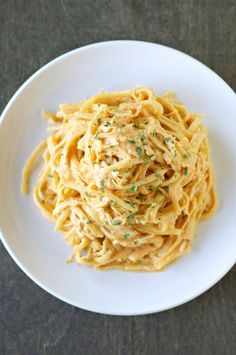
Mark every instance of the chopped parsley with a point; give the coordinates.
(133, 188)
(102, 189)
(185, 171)
(114, 203)
(106, 156)
(158, 176)
(100, 120)
(126, 235)
(89, 222)
(50, 175)
(167, 139)
(96, 135)
(150, 187)
(186, 155)
(130, 218)
(102, 182)
(89, 146)
(107, 124)
(132, 141)
(147, 158)
(86, 193)
(131, 203)
(136, 126)
(143, 139)
(154, 134)
(116, 222)
(138, 150)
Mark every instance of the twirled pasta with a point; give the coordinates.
(126, 177)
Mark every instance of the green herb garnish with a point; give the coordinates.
(186, 156)
(107, 124)
(133, 188)
(126, 235)
(106, 156)
(131, 217)
(102, 182)
(100, 120)
(50, 175)
(143, 139)
(167, 139)
(96, 135)
(132, 141)
(131, 203)
(138, 150)
(102, 189)
(116, 222)
(154, 134)
(150, 187)
(185, 171)
(114, 203)
(158, 176)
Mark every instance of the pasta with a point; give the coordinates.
(126, 178)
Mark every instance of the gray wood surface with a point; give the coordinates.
(31, 34)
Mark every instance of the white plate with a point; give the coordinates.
(29, 238)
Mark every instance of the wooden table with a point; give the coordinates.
(31, 34)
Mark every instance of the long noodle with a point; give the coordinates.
(126, 177)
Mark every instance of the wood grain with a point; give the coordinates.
(31, 34)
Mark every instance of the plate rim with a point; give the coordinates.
(4, 116)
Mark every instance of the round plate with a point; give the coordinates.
(30, 239)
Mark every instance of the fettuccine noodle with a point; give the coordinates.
(126, 177)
